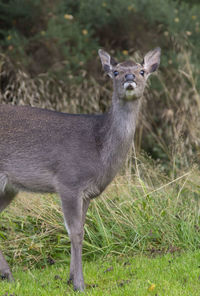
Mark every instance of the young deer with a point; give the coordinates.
(75, 155)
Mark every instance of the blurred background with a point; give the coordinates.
(49, 59)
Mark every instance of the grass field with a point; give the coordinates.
(168, 275)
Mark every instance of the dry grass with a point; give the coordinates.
(171, 115)
(17, 87)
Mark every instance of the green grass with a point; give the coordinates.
(171, 274)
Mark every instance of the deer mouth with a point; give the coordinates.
(130, 85)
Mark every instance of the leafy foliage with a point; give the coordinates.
(73, 30)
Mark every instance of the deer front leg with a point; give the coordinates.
(4, 269)
(6, 196)
(72, 210)
(85, 205)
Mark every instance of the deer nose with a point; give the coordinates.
(129, 77)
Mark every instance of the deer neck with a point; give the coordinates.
(117, 134)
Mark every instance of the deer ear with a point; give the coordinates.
(152, 60)
(107, 62)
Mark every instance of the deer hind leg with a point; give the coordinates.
(73, 210)
(5, 269)
(6, 196)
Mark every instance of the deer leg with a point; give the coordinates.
(5, 269)
(6, 197)
(72, 206)
(85, 205)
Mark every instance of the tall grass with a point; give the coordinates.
(170, 129)
(143, 212)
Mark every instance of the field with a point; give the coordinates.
(170, 275)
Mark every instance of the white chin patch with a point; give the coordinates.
(130, 90)
(129, 84)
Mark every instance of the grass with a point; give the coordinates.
(166, 275)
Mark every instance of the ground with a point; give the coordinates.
(167, 275)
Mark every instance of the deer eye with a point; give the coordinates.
(142, 72)
(115, 73)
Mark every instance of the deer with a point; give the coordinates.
(73, 155)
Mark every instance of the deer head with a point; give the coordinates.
(130, 78)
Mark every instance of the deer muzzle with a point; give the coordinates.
(130, 85)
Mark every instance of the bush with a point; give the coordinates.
(73, 31)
